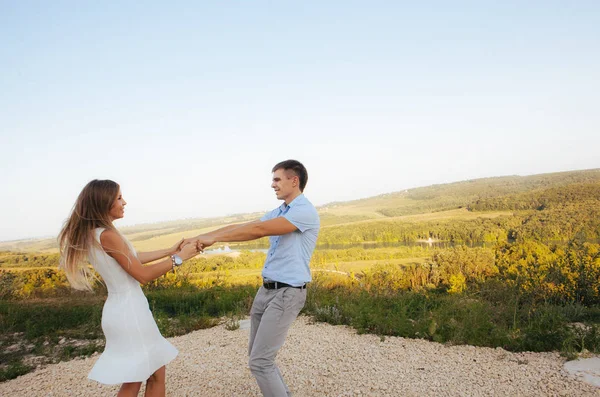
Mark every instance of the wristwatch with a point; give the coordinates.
(176, 260)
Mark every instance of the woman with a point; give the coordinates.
(135, 350)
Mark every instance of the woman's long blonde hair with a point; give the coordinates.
(76, 239)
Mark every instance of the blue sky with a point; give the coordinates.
(188, 105)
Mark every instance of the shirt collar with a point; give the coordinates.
(283, 206)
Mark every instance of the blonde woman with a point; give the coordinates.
(135, 350)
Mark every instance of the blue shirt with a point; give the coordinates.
(289, 254)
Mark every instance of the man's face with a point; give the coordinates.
(284, 183)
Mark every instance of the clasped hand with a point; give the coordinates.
(191, 247)
(187, 248)
(202, 241)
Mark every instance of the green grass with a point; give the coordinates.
(212, 302)
(14, 369)
(52, 317)
(227, 278)
(490, 316)
(456, 319)
(45, 327)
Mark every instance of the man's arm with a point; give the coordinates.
(228, 228)
(248, 231)
(218, 231)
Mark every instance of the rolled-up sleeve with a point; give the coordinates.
(304, 217)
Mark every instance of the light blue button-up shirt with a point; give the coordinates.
(289, 254)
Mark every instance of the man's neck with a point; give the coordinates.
(292, 197)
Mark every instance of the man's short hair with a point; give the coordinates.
(297, 168)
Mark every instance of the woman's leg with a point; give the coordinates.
(156, 384)
(129, 389)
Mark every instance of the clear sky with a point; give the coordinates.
(188, 105)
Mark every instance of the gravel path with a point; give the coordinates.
(324, 360)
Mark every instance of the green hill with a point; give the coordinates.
(457, 195)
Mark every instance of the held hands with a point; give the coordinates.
(188, 251)
(204, 241)
(177, 247)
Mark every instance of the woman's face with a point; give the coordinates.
(117, 210)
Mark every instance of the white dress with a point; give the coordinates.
(135, 349)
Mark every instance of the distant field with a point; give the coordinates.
(141, 240)
(459, 213)
(42, 246)
(167, 239)
(156, 239)
(358, 266)
(370, 210)
(462, 213)
(430, 203)
(149, 234)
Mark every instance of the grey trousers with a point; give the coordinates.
(272, 314)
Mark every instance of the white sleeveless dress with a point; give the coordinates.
(135, 349)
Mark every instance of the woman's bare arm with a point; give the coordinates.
(151, 256)
(114, 245)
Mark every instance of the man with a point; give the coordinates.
(293, 228)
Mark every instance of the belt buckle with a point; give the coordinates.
(270, 284)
